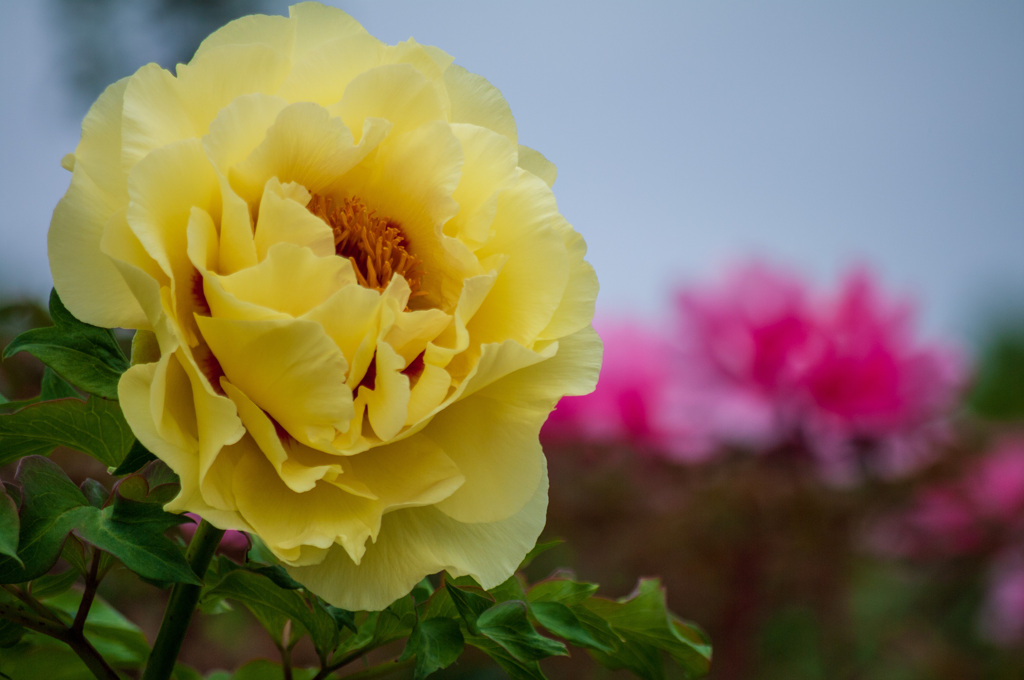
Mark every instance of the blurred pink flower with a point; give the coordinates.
(1002, 614)
(630, 404)
(982, 509)
(872, 388)
(755, 361)
(744, 345)
(997, 485)
(941, 523)
(844, 374)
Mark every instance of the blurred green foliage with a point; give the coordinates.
(998, 392)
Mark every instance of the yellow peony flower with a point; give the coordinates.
(355, 297)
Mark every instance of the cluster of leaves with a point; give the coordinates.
(437, 623)
(59, 539)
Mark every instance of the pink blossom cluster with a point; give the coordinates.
(981, 513)
(758, 362)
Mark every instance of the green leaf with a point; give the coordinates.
(55, 387)
(258, 593)
(133, 532)
(646, 629)
(441, 605)
(117, 640)
(278, 575)
(516, 669)
(590, 631)
(510, 589)
(73, 553)
(137, 456)
(95, 492)
(566, 591)
(115, 637)
(96, 427)
(183, 672)
(470, 602)
(507, 624)
(10, 633)
(52, 506)
(9, 525)
(86, 356)
(53, 584)
(537, 550)
(436, 644)
(129, 530)
(422, 591)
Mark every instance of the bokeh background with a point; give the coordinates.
(691, 136)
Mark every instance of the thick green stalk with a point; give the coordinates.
(181, 605)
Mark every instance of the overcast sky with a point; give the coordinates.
(687, 135)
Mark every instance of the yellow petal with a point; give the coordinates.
(304, 145)
(286, 520)
(316, 24)
(289, 368)
(159, 403)
(240, 127)
(219, 75)
(291, 279)
(321, 74)
(476, 101)
(496, 446)
(406, 473)
(99, 152)
(411, 182)
(87, 280)
(576, 309)
(397, 93)
(351, 318)
(535, 162)
(285, 219)
(236, 249)
(153, 115)
(257, 29)
(388, 401)
(266, 437)
(427, 394)
(490, 161)
(572, 370)
(164, 188)
(533, 278)
(420, 541)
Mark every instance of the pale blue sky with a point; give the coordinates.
(688, 135)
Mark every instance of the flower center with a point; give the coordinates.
(376, 246)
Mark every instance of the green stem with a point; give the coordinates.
(181, 605)
(92, 581)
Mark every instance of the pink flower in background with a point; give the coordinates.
(997, 485)
(871, 386)
(1002, 614)
(751, 330)
(982, 508)
(981, 513)
(743, 346)
(757, 361)
(844, 373)
(941, 523)
(631, 402)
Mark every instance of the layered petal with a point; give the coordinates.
(356, 299)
